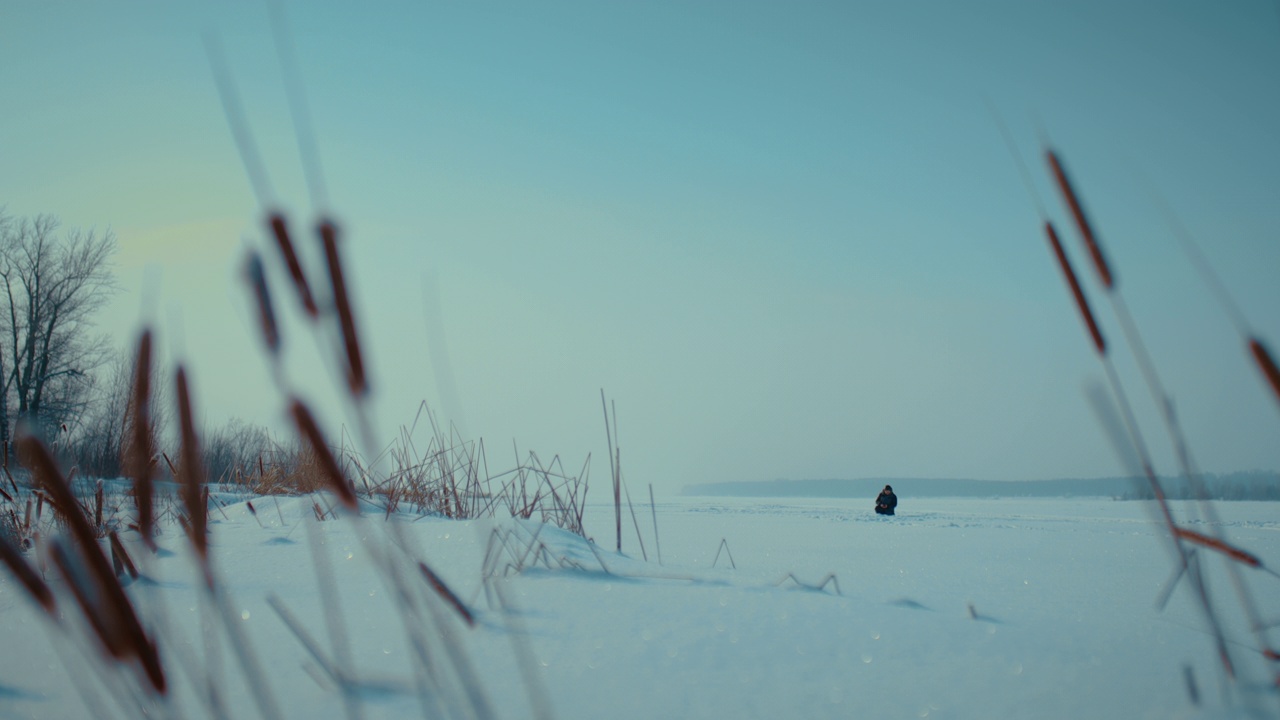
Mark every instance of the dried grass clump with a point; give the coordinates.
(284, 470)
(450, 477)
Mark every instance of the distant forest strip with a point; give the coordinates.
(1246, 485)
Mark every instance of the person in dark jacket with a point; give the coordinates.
(886, 501)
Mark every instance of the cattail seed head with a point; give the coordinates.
(280, 231)
(256, 276)
(1225, 548)
(140, 449)
(1082, 303)
(356, 379)
(310, 432)
(1082, 221)
(1266, 364)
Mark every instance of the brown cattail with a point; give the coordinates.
(444, 592)
(88, 598)
(110, 614)
(1082, 221)
(355, 364)
(44, 471)
(140, 449)
(191, 470)
(1082, 303)
(1229, 550)
(1266, 364)
(328, 465)
(121, 556)
(98, 502)
(281, 233)
(90, 576)
(28, 577)
(257, 278)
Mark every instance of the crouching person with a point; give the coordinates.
(886, 501)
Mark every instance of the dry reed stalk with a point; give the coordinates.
(1220, 546)
(192, 475)
(98, 502)
(1195, 577)
(329, 602)
(1189, 678)
(724, 545)
(1082, 302)
(256, 276)
(26, 576)
(256, 172)
(51, 484)
(250, 669)
(121, 556)
(280, 231)
(356, 379)
(106, 604)
(653, 511)
(308, 643)
(12, 483)
(329, 469)
(1181, 449)
(635, 521)
(1261, 356)
(613, 472)
(1108, 281)
(830, 579)
(448, 595)
(88, 598)
(1131, 334)
(1163, 401)
(1266, 364)
(299, 109)
(172, 470)
(140, 449)
(539, 702)
(1082, 220)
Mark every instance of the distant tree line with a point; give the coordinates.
(1244, 485)
(62, 380)
(1248, 485)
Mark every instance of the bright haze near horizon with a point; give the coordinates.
(787, 239)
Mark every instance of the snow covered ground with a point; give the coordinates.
(1005, 608)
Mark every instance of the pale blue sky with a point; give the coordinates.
(786, 237)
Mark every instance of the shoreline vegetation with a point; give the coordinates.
(1243, 485)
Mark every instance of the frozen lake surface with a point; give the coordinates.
(955, 608)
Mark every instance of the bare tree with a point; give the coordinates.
(98, 437)
(50, 286)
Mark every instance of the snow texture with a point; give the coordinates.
(955, 608)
